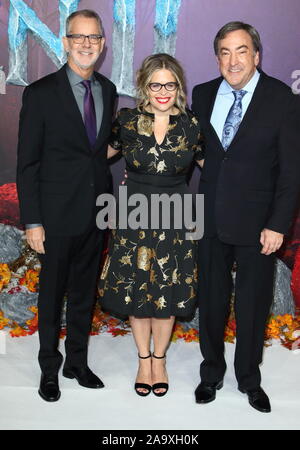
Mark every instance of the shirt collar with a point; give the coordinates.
(225, 87)
(74, 78)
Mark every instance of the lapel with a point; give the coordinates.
(251, 113)
(69, 103)
(105, 116)
(70, 106)
(249, 116)
(211, 101)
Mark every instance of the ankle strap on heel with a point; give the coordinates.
(144, 357)
(158, 357)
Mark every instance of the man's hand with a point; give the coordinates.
(35, 238)
(270, 240)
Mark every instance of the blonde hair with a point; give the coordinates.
(150, 65)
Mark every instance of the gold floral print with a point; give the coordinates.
(163, 261)
(153, 151)
(181, 144)
(153, 276)
(144, 125)
(105, 267)
(195, 274)
(130, 125)
(126, 259)
(188, 254)
(143, 258)
(175, 276)
(177, 240)
(161, 302)
(161, 166)
(128, 299)
(152, 271)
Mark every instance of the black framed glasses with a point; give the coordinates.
(80, 38)
(156, 87)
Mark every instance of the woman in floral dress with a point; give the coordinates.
(150, 274)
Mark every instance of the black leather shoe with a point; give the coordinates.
(206, 392)
(84, 376)
(258, 399)
(49, 389)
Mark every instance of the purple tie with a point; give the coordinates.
(89, 112)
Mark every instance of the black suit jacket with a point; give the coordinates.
(256, 183)
(59, 175)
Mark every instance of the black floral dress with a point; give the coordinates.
(152, 272)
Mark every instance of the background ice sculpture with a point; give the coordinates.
(23, 19)
(165, 27)
(123, 46)
(2, 81)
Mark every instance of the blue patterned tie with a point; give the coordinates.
(233, 119)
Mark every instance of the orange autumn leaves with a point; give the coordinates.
(30, 280)
(190, 335)
(285, 328)
(103, 321)
(16, 329)
(5, 275)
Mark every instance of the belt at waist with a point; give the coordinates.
(156, 180)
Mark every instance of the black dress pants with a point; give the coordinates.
(253, 300)
(70, 265)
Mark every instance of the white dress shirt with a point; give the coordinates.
(225, 99)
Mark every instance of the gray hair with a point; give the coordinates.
(88, 13)
(234, 26)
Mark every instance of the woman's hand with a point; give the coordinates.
(201, 163)
(111, 152)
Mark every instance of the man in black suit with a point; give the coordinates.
(65, 124)
(250, 181)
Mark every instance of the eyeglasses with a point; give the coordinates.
(156, 87)
(80, 38)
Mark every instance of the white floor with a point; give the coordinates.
(117, 407)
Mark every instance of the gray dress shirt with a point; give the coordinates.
(79, 91)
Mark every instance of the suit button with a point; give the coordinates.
(92, 184)
(225, 158)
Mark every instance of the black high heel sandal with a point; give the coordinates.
(143, 385)
(160, 385)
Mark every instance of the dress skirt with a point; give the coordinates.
(151, 271)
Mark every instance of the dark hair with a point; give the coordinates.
(234, 26)
(88, 13)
